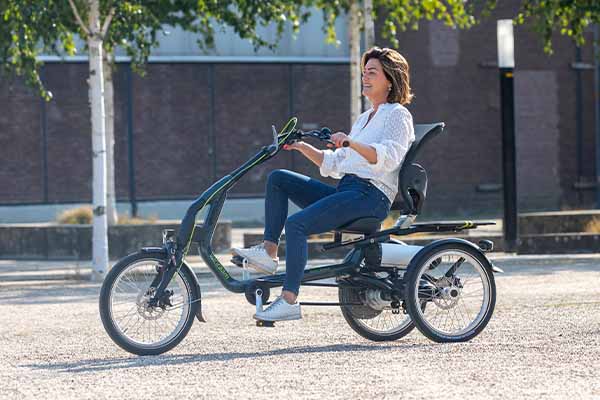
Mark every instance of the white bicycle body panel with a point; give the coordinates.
(397, 255)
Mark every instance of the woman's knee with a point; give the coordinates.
(295, 224)
(276, 176)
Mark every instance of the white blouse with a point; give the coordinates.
(390, 132)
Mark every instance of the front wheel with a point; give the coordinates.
(130, 321)
(457, 283)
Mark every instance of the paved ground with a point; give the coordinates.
(543, 342)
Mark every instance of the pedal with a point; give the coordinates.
(265, 324)
(238, 261)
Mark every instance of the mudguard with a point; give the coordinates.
(442, 242)
(162, 251)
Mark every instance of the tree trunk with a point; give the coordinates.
(96, 95)
(355, 81)
(369, 24)
(111, 197)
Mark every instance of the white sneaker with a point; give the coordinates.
(280, 310)
(258, 258)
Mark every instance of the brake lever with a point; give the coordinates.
(273, 147)
(275, 135)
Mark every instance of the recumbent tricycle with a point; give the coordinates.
(446, 289)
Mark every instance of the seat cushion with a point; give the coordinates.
(361, 225)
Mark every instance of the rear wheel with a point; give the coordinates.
(457, 284)
(128, 318)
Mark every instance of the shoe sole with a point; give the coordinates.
(294, 318)
(254, 266)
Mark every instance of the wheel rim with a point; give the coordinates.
(139, 324)
(458, 303)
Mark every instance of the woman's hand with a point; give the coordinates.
(338, 139)
(293, 146)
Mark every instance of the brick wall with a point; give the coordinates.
(21, 149)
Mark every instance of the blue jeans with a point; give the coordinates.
(324, 208)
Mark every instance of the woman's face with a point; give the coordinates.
(375, 84)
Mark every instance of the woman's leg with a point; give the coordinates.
(322, 216)
(284, 185)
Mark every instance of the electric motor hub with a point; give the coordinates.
(373, 298)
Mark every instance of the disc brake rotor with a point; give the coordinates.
(144, 309)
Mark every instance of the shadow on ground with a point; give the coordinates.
(94, 365)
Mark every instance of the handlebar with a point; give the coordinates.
(324, 135)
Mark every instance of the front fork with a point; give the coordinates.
(167, 270)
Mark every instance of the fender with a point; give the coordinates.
(464, 242)
(161, 251)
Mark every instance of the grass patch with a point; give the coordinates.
(593, 226)
(76, 216)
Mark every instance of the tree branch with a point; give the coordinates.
(78, 18)
(109, 18)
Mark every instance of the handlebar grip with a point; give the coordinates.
(345, 143)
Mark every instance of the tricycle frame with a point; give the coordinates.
(346, 272)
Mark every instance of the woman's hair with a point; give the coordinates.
(395, 69)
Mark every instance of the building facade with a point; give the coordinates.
(193, 117)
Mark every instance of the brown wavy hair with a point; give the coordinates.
(396, 70)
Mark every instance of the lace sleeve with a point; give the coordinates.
(331, 162)
(398, 134)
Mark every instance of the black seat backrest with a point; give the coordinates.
(412, 178)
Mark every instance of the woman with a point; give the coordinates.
(368, 169)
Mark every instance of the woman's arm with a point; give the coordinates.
(366, 151)
(326, 160)
(313, 154)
